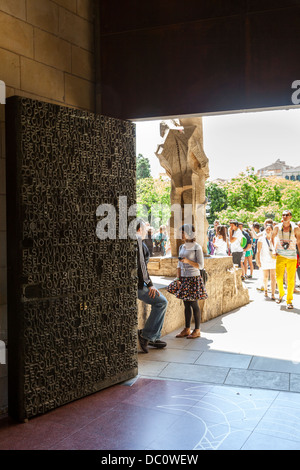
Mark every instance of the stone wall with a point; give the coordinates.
(46, 53)
(47, 50)
(174, 317)
(225, 289)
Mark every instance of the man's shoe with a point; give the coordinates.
(158, 344)
(143, 342)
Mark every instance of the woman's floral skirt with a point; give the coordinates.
(191, 288)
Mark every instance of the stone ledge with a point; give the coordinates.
(225, 289)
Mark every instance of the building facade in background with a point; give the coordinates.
(280, 169)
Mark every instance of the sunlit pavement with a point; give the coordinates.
(257, 345)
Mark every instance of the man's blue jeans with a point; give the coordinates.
(154, 323)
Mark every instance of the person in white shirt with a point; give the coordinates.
(288, 239)
(235, 238)
(266, 259)
(220, 241)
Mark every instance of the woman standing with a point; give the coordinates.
(266, 259)
(220, 241)
(249, 256)
(189, 285)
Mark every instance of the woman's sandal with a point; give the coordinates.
(184, 333)
(194, 334)
(279, 300)
(266, 294)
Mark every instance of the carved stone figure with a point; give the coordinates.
(183, 158)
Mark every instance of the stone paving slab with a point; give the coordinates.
(270, 364)
(256, 346)
(258, 379)
(195, 372)
(224, 359)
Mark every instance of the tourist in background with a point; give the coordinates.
(235, 239)
(298, 259)
(149, 240)
(189, 286)
(220, 241)
(247, 247)
(256, 234)
(161, 239)
(254, 231)
(288, 239)
(211, 235)
(248, 254)
(266, 259)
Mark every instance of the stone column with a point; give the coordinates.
(185, 162)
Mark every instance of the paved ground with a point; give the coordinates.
(235, 388)
(257, 345)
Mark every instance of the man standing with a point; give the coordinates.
(289, 238)
(150, 334)
(235, 238)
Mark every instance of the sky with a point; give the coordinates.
(233, 142)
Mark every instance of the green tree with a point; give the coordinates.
(290, 199)
(217, 197)
(250, 198)
(243, 192)
(153, 199)
(143, 169)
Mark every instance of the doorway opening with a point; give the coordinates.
(258, 151)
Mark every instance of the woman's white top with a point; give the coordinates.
(220, 247)
(266, 260)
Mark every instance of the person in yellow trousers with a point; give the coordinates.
(288, 238)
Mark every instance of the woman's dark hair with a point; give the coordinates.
(139, 223)
(221, 230)
(189, 230)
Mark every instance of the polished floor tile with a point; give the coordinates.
(164, 414)
(257, 441)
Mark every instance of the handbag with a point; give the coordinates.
(272, 252)
(204, 275)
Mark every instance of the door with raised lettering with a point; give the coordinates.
(71, 294)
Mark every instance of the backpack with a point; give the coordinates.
(244, 242)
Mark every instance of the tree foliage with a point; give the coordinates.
(153, 199)
(246, 198)
(143, 169)
(249, 198)
(217, 197)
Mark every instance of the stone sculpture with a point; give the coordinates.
(183, 158)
